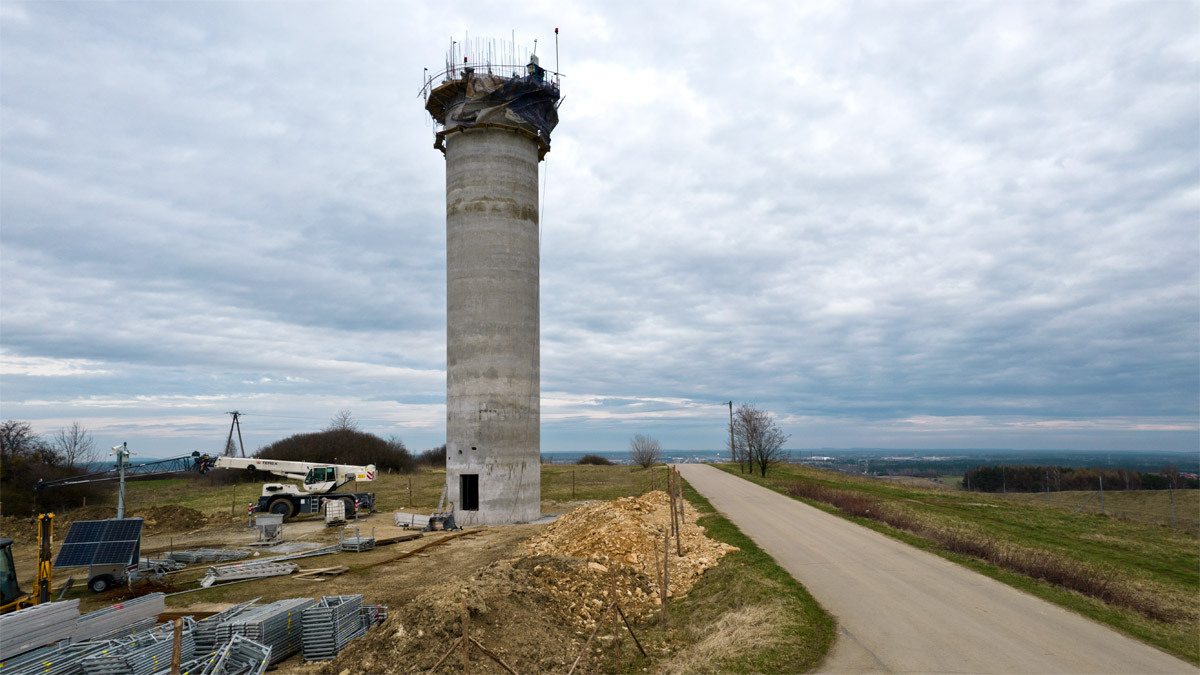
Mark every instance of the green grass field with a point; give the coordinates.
(1148, 506)
(1159, 564)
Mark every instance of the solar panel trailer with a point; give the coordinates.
(110, 549)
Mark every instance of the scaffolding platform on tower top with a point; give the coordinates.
(483, 86)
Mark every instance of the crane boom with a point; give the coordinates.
(316, 477)
(174, 465)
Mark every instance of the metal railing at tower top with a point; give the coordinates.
(503, 70)
(492, 57)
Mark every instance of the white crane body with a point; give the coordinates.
(318, 481)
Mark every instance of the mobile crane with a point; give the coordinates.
(319, 482)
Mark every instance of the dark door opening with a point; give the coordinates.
(469, 491)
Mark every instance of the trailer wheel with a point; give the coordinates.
(101, 583)
(282, 507)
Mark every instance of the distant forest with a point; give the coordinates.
(1057, 478)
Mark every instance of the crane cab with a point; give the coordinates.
(320, 479)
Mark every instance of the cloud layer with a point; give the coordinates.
(895, 225)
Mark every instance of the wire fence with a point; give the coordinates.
(1171, 508)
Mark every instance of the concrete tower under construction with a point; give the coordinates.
(495, 108)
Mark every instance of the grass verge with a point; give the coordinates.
(747, 615)
(1139, 578)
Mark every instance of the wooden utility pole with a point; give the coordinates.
(732, 448)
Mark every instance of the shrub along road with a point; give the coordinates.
(900, 609)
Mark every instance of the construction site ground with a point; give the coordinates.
(533, 593)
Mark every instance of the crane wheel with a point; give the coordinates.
(282, 507)
(350, 510)
(101, 583)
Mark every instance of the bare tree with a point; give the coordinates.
(75, 444)
(1172, 473)
(343, 421)
(758, 439)
(644, 451)
(18, 441)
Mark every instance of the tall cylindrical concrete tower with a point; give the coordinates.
(494, 128)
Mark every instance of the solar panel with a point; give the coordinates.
(85, 531)
(101, 542)
(76, 555)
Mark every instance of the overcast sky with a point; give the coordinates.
(890, 224)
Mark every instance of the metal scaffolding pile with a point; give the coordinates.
(357, 543)
(373, 615)
(276, 625)
(247, 571)
(240, 656)
(60, 658)
(241, 639)
(36, 626)
(144, 653)
(207, 555)
(120, 619)
(205, 631)
(330, 624)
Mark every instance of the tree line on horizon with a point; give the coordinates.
(1032, 478)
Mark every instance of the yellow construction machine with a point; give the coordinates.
(12, 597)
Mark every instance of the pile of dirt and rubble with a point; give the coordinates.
(513, 612)
(170, 518)
(536, 611)
(628, 534)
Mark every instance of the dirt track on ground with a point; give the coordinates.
(902, 610)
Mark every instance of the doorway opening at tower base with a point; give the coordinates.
(469, 491)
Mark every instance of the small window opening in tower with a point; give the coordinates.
(469, 491)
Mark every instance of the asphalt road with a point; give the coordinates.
(902, 610)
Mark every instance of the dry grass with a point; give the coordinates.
(735, 633)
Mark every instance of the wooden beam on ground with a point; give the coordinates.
(417, 550)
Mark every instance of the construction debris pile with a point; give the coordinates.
(623, 544)
(629, 533)
(125, 640)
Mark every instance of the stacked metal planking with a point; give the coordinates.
(33, 627)
(357, 543)
(206, 629)
(204, 555)
(247, 571)
(144, 653)
(116, 620)
(60, 658)
(276, 625)
(330, 624)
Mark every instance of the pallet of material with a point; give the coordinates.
(318, 574)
